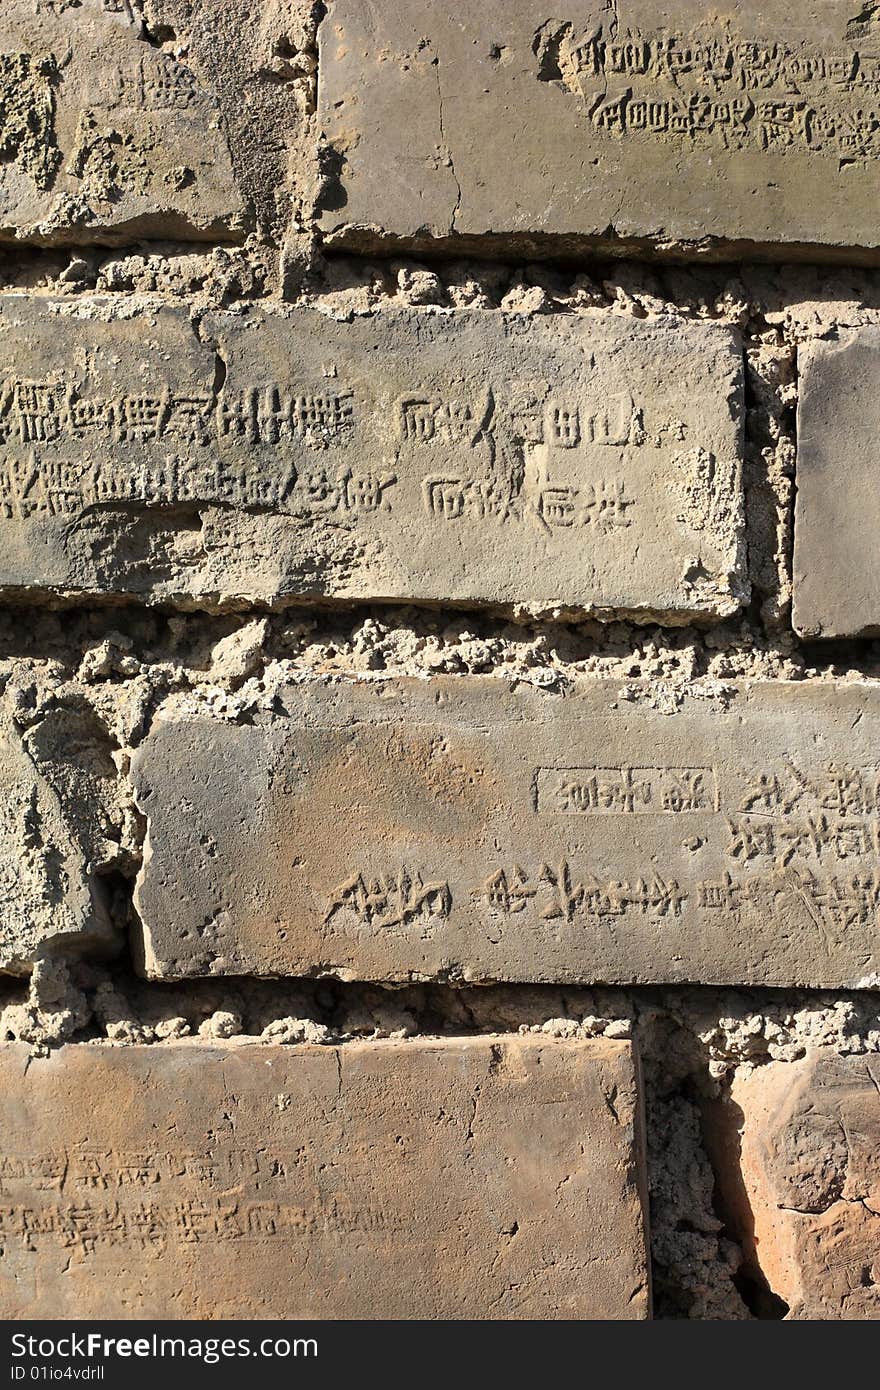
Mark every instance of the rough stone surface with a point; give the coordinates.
(259, 62)
(617, 120)
(461, 457)
(103, 135)
(488, 833)
(255, 1182)
(837, 512)
(809, 1186)
(52, 899)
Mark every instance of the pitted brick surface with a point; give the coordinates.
(490, 834)
(625, 119)
(266, 1182)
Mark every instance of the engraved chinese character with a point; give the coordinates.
(48, 1171)
(202, 1168)
(631, 57)
(364, 492)
(852, 839)
(445, 497)
(418, 419)
(89, 1226)
(562, 426)
(315, 491)
(604, 899)
(773, 793)
(39, 409)
(43, 1221)
(139, 418)
(90, 416)
(146, 1223)
(239, 419)
(724, 895)
(565, 897)
(664, 898)
(324, 415)
(506, 894)
(192, 1221)
(587, 55)
(11, 1170)
(262, 491)
(683, 789)
(136, 1170)
(389, 900)
(166, 85)
(557, 506)
(751, 839)
(91, 1170)
(781, 124)
(189, 418)
(263, 1219)
(843, 791)
(227, 1223)
(616, 422)
(608, 114)
(605, 505)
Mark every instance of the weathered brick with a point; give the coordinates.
(459, 828)
(621, 120)
(53, 901)
(837, 509)
(458, 456)
(258, 62)
(266, 1182)
(806, 1181)
(103, 136)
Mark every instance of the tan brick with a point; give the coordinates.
(52, 899)
(456, 827)
(459, 457)
(258, 62)
(617, 120)
(469, 1178)
(102, 135)
(837, 510)
(809, 1182)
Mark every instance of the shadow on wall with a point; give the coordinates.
(722, 1123)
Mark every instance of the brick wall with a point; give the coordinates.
(439, 688)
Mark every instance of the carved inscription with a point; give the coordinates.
(406, 456)
(102, 132)
(34, 413)
(153, 84)
(625, 790)
(559, 893)
(396, 899)
(56, 412)
(280, 1160)
(715, 88)
(458, 847)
